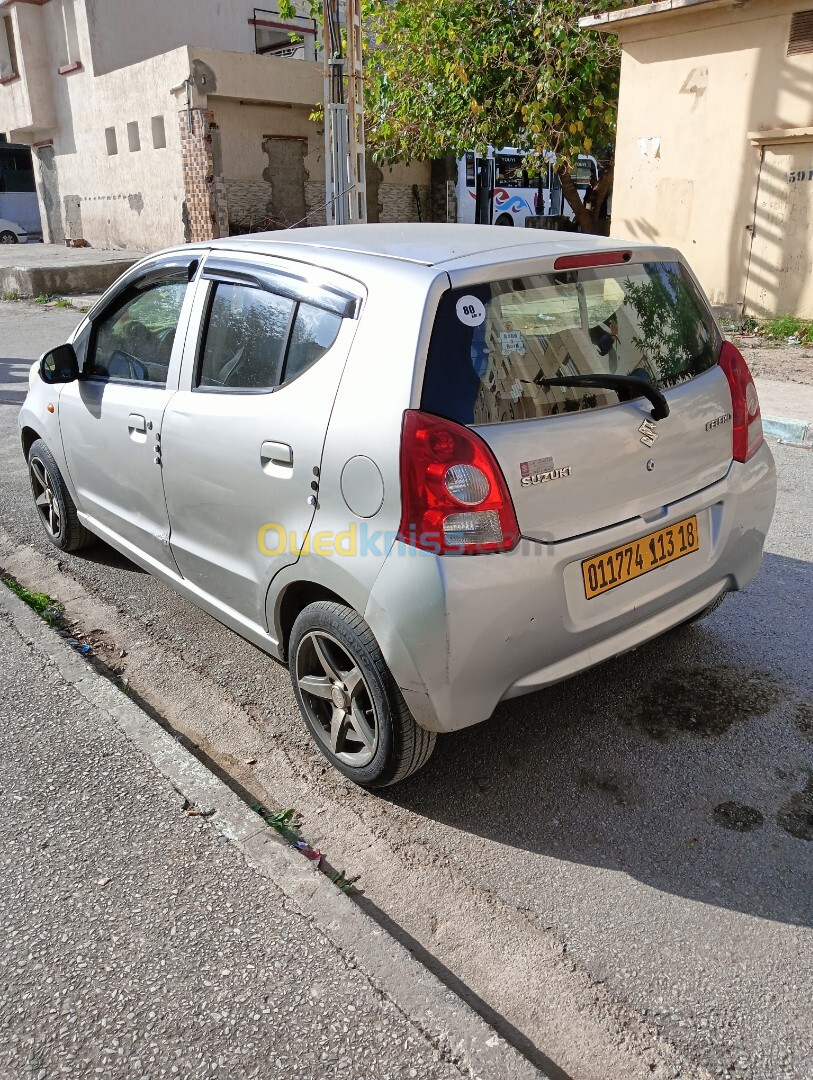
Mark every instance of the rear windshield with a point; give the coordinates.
(492, 343)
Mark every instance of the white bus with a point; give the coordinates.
(514, 191)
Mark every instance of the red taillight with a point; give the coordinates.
(454, 499)
(745, 414)
(595, 258)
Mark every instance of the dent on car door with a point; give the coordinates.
(111, 418)
(243, 438)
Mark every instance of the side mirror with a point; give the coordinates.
(59, 365)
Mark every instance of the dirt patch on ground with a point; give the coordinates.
(804, 719)
(796, 816)
(704, 701)
(775, 360)
(612, 786)
(738, 817)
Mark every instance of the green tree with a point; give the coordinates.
(445, 76)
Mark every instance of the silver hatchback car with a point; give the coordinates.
(431, 467)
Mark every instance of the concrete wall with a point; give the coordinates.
(252, 157)
(693, 86)
(127, 31)
(266, 145)
(131, 198)
(27, 102)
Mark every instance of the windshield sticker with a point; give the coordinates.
(471, 311)
(511, 341)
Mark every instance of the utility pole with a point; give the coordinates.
(345, 173)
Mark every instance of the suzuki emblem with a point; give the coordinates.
(648, 433)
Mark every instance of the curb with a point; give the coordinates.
(789, 432)
(449, 1023)
(63, 279)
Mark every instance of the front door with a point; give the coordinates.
(780, 272)
(111, 419)
(243, 437)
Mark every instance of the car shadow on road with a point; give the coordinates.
(687, 764)
(13, 380)
(103, 554)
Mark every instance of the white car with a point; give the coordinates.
(431, 467)
(12, 233)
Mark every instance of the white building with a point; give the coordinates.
(143, 140)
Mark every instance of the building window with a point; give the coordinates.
(133, 138)
(801, 34)
(9, 67)
(289, 38)
(110, 140)
(159, 135)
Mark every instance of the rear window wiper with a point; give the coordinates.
(638, 387)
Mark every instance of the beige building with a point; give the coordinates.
(142, 140)
(714, 153)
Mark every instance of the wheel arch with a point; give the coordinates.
(295, 598)
(28, 436)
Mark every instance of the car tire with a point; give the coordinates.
(349, 700)
(52, 500)
(504, 219)
(8, 237)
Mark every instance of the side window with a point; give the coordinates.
(245, 341)
(134, 342)
(470, 179)
(314, 332)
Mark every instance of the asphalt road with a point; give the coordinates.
(619, 870)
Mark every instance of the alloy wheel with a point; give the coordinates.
(337, 698)
(45, 498)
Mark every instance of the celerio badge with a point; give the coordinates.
(718, 422)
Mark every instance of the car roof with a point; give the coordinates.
(436, 245)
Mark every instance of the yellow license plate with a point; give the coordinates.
(613, 568)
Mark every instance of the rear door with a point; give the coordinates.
(243, 437)
(577, 460)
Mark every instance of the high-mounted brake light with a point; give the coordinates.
(454, 499)
(595, 258)
(745, 411)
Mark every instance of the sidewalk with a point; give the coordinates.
(138, 940)
(787, 410)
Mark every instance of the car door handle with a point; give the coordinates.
(137, 423)
(278, 453)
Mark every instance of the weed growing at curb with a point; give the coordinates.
(62, 302)
(44, 605)
(43, 298)
(10, 297)
(283, 821)
(342, 882)
(788, 326)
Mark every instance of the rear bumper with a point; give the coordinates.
(461, 634)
